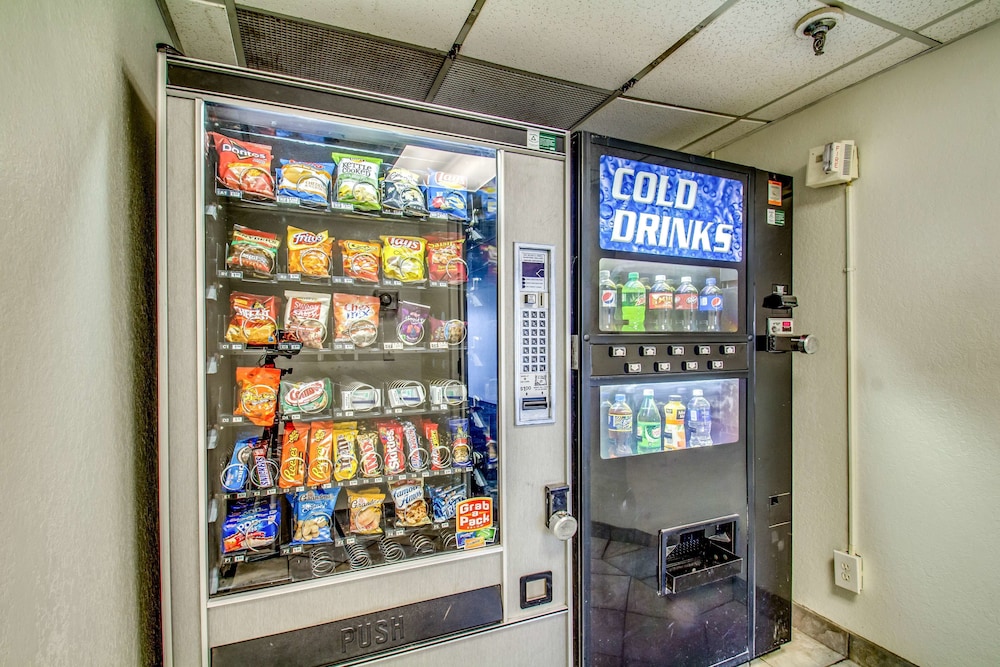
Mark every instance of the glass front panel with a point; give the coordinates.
(351, 331)
(659, 417)
(659, 297)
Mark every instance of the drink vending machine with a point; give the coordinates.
(363, 415)
(683, 297)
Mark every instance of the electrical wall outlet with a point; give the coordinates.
(847, 571)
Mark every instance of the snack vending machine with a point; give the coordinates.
(683, 440)
(352, 467)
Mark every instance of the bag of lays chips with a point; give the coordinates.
(357, 181)
(309, 253)
(403, 258)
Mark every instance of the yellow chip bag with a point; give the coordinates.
(403, 258)
(345, 464)
(309, 253)
(365, 507)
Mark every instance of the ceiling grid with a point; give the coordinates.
(676, 74)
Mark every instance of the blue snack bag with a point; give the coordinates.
(312, 515)
(251, 525)
(445, 499)
(237, 471)
(447, 193)
(309, 182)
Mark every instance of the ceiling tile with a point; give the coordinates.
(652, 124)
(428, 23)
(592, 42)
(911, 14)
(203, 28)
(750, 55)
(478, 86)
(721, 137)
(961, 23)
(892, 54)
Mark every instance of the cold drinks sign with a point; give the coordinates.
(657, 210)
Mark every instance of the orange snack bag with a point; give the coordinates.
(360, 259)
(320, 452)
(257, 394)
(293, 455)
(309, 254)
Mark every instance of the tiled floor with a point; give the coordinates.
(802, 651)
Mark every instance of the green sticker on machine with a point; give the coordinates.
(542, 141)
(776, 217)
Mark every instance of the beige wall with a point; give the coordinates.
(78, 465)
(927, 210)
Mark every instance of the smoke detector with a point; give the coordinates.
(815, 25)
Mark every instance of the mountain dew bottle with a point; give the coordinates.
(633, 304)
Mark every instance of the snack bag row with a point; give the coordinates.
(253, 318)
(350, 179)
(407, 259)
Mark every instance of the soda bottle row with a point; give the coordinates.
(659, 308)
(680, 426)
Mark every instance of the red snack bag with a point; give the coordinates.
(293, 455)
(390, 433)
(257, 394)
(244, 166)
(444, 260)
(253, 319)
(252, 251)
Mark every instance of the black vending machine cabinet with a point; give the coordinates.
(683, 415)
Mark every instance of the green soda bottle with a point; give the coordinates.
(633, 304)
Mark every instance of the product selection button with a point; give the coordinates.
(728, 349)
(716, 365)
(676, 350)
(633, 368)
(647, 351)
(703, 349)
(617, 351)
(690, 365)
(662, 366)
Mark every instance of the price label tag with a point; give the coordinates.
(342, 280)
(352, 482)
(343, 346)
(289, 277)
(438, 215)
(392, 346)
(439, 345)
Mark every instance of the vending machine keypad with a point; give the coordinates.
(533, 354)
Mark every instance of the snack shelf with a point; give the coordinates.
(286, 205)
(338, 352)
(347, 483)
(365, 540)
(433, 409)
(337, 281)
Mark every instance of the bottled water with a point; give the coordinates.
(699, 420)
